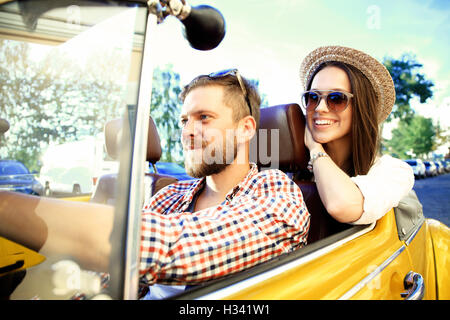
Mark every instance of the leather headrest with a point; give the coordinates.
(281, 139)
(280, 135)
(154, 150)
(113, 133)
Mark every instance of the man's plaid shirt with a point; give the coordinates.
(262, 217)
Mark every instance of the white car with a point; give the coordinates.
(418, 167)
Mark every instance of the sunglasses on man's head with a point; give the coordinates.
(336, 101)
(235, 73)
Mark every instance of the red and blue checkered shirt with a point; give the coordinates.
(262, 217)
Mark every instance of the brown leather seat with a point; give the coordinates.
(106, 188)
(292, 159)
(157, 181)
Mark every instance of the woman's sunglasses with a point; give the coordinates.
(235, 73)
(336, 101)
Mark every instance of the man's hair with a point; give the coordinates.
(365, 128)
(233, 94)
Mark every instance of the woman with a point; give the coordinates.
(348, 94)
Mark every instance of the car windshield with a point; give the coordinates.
(67, 69)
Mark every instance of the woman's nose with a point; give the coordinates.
(322, 106)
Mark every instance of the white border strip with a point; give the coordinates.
(350, 293)
(234, 288)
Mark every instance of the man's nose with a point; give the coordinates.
(191, 128)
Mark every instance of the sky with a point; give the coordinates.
(267, 40)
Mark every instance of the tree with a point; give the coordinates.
(54, 99)
(442, 136)
(415, 136)
(409, 83)
(165, 112)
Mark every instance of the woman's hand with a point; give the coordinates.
(310, 143)
(341, 197)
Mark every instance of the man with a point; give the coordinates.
(233, 218)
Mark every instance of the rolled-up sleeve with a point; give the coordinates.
(386, 183)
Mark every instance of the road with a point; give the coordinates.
(434, 194)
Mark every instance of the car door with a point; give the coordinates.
(363, 262)
(415, 233)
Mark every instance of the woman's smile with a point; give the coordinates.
(323, 123)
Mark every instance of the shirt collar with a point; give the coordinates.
(198, 185)
(243, 185)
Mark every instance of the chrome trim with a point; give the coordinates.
(414, 285)
(136, 193)
(350, 293)
(412, 236)
(234, 288)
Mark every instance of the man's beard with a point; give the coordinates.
(206, 161)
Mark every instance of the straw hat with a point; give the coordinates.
(376, 72)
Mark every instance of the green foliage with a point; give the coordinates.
(408, 83)
(442, 136)
(165, 111)
(53, 100)
(416, 135)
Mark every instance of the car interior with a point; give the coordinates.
(289, 122)
(288, 119)
(106, 189)
(293, 160)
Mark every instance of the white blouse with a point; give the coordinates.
(386, 183)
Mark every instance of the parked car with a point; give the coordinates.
(418, 167)
(15, 176)
(96, 59)
(430, 169)
(172, 169)
(447, 164)
(439, 167)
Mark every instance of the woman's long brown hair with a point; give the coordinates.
(365, 128)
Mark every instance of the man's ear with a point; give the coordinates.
(246, 129)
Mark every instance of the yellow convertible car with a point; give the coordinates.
(75, 90)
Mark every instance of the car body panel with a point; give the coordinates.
(12, 254)
(421, 254)
(85, 198)
(370, 266)
(440, 236)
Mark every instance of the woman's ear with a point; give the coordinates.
(246, 129)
